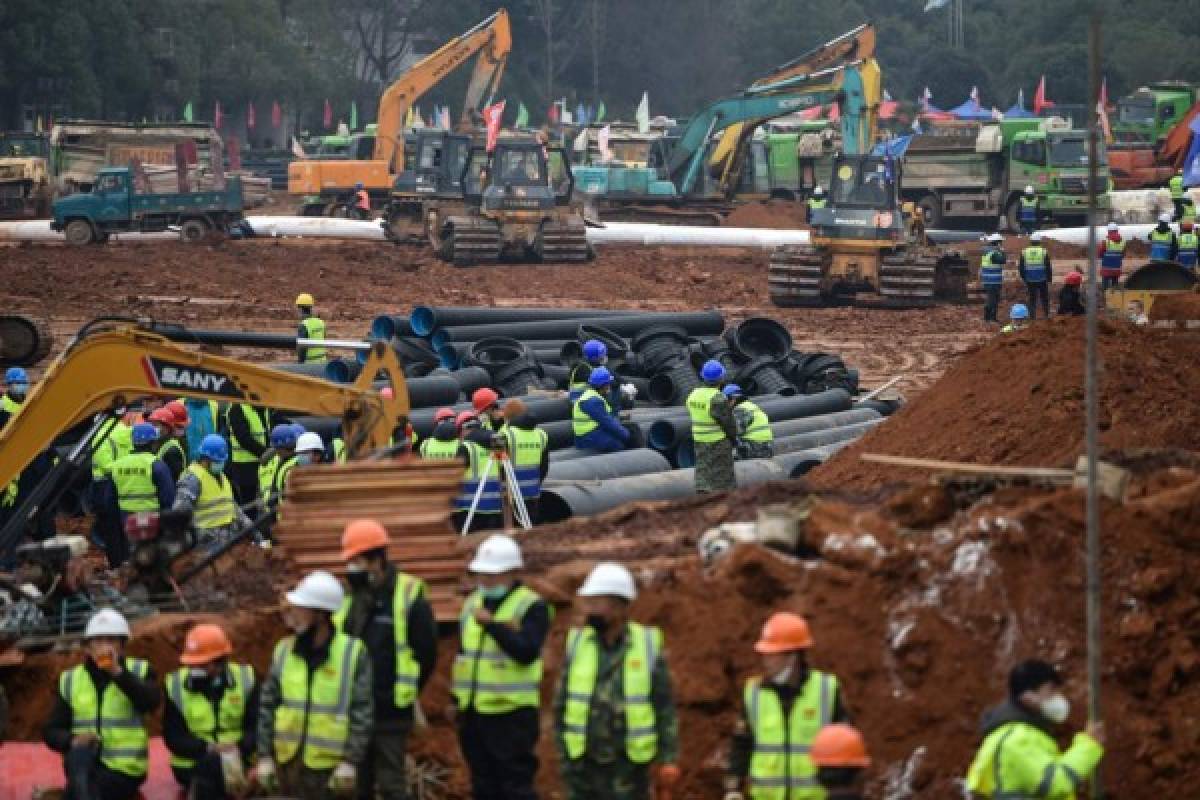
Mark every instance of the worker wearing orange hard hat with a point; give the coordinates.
(482, 468)
(210, 715)
(785, 709)
(389, 611)
(486, 403)
(840, 756)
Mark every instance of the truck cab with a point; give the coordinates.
(24, 175)
(1146, 117)
(1054, 161)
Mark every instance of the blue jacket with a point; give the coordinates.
(609, 437)
(991, 270)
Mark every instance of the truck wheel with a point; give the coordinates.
(79, 232)
(1012, 216)
(193, 231)
(931, 207)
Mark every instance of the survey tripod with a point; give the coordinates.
(510, 491)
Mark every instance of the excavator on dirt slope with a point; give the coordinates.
(490, 40)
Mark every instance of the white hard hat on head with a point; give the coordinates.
(1029, 189)
(1165, 217)
(818, 190)
(1112, 226)
(107, 622)
(609, 579)
(319, 591)
(995, 237)
(498, 554)
(308, 442)
(1036, 236)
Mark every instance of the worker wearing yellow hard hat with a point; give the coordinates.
(311, 327)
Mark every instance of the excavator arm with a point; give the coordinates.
(490, 39)
(110, 368)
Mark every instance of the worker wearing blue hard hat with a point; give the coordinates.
(1018, 317)
(142, 480)
(283, 447)
(594, 420)
(595, 354)
(714, 430)
(755, 439)
(16, 387)
(206, 491)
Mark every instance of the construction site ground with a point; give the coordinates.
(921, 596)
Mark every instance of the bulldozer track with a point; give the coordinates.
(563, 242)
(470, 241)
(794, 277)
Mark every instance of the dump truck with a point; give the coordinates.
(24, 175)
(1145, 121)
(116, 206)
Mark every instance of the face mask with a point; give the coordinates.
(1055, 708)
(598, 622)
(494, 592)
(216, 467)
(304, 459)
(18, 392)
(781, 677)
(356, 576)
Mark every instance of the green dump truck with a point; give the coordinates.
(115, 206)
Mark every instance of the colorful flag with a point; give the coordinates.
(353, 115)
(1039, 100)
(218, 117)
(187, 112)
(643, 114)
(522, 116)
(581, 117)
(444, 121)
(552, 114)
(409, 118)
(602, 141)
(418, 120)
(276, 115)
(601, 112)
(297, 150)
(251, 117)
(493, 115)
(581, 141)
(327, 118)
(39, 123)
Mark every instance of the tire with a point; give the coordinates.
(931, 207)
(79, 232)
(193, 231)
(1012, 216)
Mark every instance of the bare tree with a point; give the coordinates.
(596, 33)
(384, 31)
(562, 31)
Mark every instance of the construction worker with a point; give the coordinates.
(16, 389)
(714, 431)
(1175, 185)
(317, 705)
(309, 449)
(1037, 273)
(817, 200)
(443, 444)
(991, 275)
(1019, 756)
(142, 481)
(1188, 244)
(840, 756)
(113, 441)
(205, 490)
(498, 673)
(486, 403)
(247, 428)
(595, 354)
(283, 448)
(180, 413)
(170, 449)
(594, 421)
(614, 714)
(311, 327)
(97, 722)
(1163, 244)
(482, 469)
(782, 713)
(754, 436)
(362, 202)
(1070, 297)
(389, 612)
(1187, 211)
(1018, 318)
(1136, 313)
(529, 452)
(204, 418)
(1111, 253)
(211, 714)
(1027, 211)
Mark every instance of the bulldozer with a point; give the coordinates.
(432, 180)
(866, 248)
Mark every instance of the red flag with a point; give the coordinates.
(552, 114)
(492, 116)
(328, 114)
(218, 117)
(276, 114)
(251, 117)
(1039, 98)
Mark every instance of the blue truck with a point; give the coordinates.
(114, 206)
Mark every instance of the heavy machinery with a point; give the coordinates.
(1151, 133)
(324, 181)
(430, 185)
(25, 190)
(517, 205)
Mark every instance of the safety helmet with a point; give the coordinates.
(1112, 226)
(308, 442)
(1029, 189)
(1035, 237)
(712, 371)
(15, 375)
(305, 299)
(600, 377)
(319, 591)
(1165, 217)
(483, 399)
(498, 554)
(443, 414)
(214, 448)
(783, 633)
(995, 238)
(609, 579)
(298, 429)
(732, 390)
(464, 417)
(594, 350)
(1018, 311)
(107, 622)
(179, 411)
(205, 643)
(144, 433)
(361, 535)
(819, 191)
(839, 745)
(1073, 279)
(283, 435)
(163, 416)
(358, 185)
(387, 393)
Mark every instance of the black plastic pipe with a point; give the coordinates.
(666, 434)
(609, 465)
(760, 337)
(424, 320)
(685, 454)
(386, 326)
(791, 427)
(798, 463)
(761, 377)
(471, 378)
(313, 369)
(672, 387)
(178, 333)
(696, 323)
(432, 390)
(341, 370)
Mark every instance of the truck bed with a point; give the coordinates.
(205, 201)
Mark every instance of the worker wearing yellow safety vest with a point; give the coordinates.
(498, 673)
(783, 711)
(615, 722)
(714, 431)
(282, 450)
(443, 443)
(529, 452)
(211, 715)
(248, 427)
(143, 482)
(168, 448)
(97, 722)
(754, 436)
(389, 611)
(840, 756)
(316, 709)
(816, 201)
(1175, 185)
(311, 327)
(112, 441)
(489, 511)
(486, 403)
(1019, 756)
(205, 490)
(16, 387)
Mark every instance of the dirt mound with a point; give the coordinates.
(1018, 400)
(1183, 307)
(769, 214)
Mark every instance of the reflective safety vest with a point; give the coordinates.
(1189, 243)
(1160, 244)
(215, 506)
(133, 477)
(408, 589)
(990, 274)
(581, 423)
(491, 501)
(119, 442)
(781, 767)
(1017, 760)
(577, 383)
(169, 445)
(124, 743)
(314, 328)
(282, 473)
(266, 478)
(644, 645)
(1176, 186)
(1035, 264)
(223, 727)
(704, 428)
(339, 450)
(1114, 255)
(258, 431)
(526, 447)
(440, 449)
(1028, 210)
(759, 429)
(8, 498)
(485, 678)
(1187, 211)
(817, 202)
(9, 405)
(314, 710)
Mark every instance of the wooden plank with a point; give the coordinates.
(1045, 473)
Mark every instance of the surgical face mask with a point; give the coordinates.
(18, 391)
(781, 677)
(1055, 708)
(304, 459)
(216, 467)
(494, 592)
(356, 576)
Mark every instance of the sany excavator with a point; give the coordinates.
(490, 40)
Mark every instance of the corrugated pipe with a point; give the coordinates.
(696, 323)
(424, 320)
(609, 465)
(799, 463)
(685, 454)
(667, 434)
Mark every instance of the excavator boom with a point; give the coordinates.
(112, 367)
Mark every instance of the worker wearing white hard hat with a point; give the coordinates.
(1028, 211)
(1164, 245)
(98, 719)
(316, 709)
(991, 276)
(614, 715)
(1111, 252)
(498, 672)
(309, 449)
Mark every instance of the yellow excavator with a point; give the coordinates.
(326, 182)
